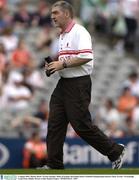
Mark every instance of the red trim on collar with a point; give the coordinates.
(69, 27)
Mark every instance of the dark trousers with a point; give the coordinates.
(69, 103)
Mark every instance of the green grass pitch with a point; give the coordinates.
(71, 171)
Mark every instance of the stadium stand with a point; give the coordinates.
(111, 67)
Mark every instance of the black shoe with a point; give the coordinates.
(117, 164)
(44, 167)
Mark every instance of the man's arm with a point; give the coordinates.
(59, 65)
(76, 62)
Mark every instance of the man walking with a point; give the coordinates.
(71, 97)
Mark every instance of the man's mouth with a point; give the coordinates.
(55, 21)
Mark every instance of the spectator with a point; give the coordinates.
(108, 113)
(44, 39)
(5, 19)
(26, 125)
(42, 111)
(18, 96)
(3, 4)
(34, 153)
(43, 129)
(126, 102)
(101, 19)
(129, 128)
(42, 16)
(131, 13)
(133, 83)
(2, 100)
(31, 76)
(9, 40)
(116, 25)
(21, 57)
(2, 63)
(87, 11)
(113, 130)
(135, 116)
(22, 17)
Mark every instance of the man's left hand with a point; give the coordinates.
(55, 66)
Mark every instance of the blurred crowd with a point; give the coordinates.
(116, 20)
(120, 117)
(26, 31)
(19, 66)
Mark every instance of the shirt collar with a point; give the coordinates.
(69, 27)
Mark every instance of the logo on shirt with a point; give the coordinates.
(67, 45)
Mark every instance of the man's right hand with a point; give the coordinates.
(47, 71)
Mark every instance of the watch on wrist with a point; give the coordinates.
(64, 64)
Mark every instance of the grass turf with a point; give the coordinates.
(71, 171)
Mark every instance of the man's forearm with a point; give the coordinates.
(74, 62)
(59, 65)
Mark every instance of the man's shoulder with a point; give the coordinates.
(78, 28)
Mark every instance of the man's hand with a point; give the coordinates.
(55, 66)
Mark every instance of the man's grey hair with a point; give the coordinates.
(64, 5)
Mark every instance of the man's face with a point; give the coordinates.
(58, 16)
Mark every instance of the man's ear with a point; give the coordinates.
(67, 14)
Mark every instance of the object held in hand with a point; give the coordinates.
(48, 60)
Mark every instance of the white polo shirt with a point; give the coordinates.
(76, 41)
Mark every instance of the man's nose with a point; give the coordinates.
(52, 16)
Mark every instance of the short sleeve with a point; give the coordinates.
(84, 44)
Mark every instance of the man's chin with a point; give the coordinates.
(57, 26)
